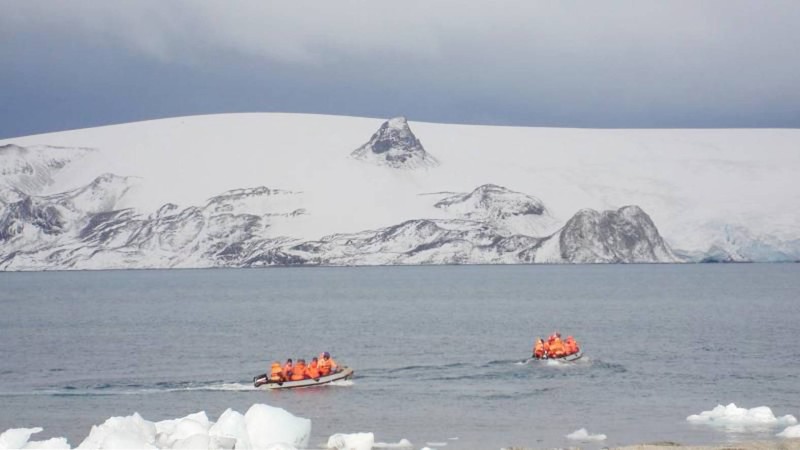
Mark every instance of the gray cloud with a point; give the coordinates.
(568, 63)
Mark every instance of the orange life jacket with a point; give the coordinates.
(287, 371)
(275, 372)
(326, 366)
(570, 346)
(299, 372)
(546, 346)
(312, 371)
(538, 349)
(557, 347)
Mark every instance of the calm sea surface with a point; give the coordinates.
(436, 349)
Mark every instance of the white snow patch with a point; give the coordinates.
(790, 432)
(584, 436)
(734, 418)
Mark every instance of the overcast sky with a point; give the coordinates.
(591, 63)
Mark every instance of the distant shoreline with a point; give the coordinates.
(782, 444)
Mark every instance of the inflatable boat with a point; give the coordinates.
(568, 358)
(263, 382)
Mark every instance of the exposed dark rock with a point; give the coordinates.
(623, 236)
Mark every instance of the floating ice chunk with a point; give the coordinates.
(169, 432)
(263, 427)
(790, 432)
(50, 444)
(17, 437)
(355, 441)
(734, 418)
(404, 443)
(195, 441)
(267, 425)
(584, 436)
(121, 433)
(231, 425)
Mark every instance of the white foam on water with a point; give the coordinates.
(436, 444)
(735, 419)
(341, 383)
(584, 436)
(790, 432)
(218, 387)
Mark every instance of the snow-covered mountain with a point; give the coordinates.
(395, 145)
(511, 212)
(31, 169)
(244, 190)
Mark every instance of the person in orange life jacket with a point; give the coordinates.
(538, 349)
(288, 368)
(570, 346)
(557, 347)
(327, 365)
(312, 371)
(299, 372)
(276, 372)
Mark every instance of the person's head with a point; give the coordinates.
(301, 361)
(558, 334)
(326, 355)
(314, 359)
(289, 361)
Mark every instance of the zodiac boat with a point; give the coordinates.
(262, 381)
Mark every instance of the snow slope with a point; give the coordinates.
(285, 179)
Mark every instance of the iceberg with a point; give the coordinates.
(733, 418)
(790, 432)
(584, 436)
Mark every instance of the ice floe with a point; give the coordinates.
(584, 436)
(19, 438)
(734, 418)
(790, 432)
(261, 427)
(354, 441)
(402, 444)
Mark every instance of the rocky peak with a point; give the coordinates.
(395, 145)
(625, 235)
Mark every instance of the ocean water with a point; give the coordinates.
(436, 350)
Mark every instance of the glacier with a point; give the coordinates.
(252, 190)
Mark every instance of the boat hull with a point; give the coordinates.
(261, 381)
(568, 358)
